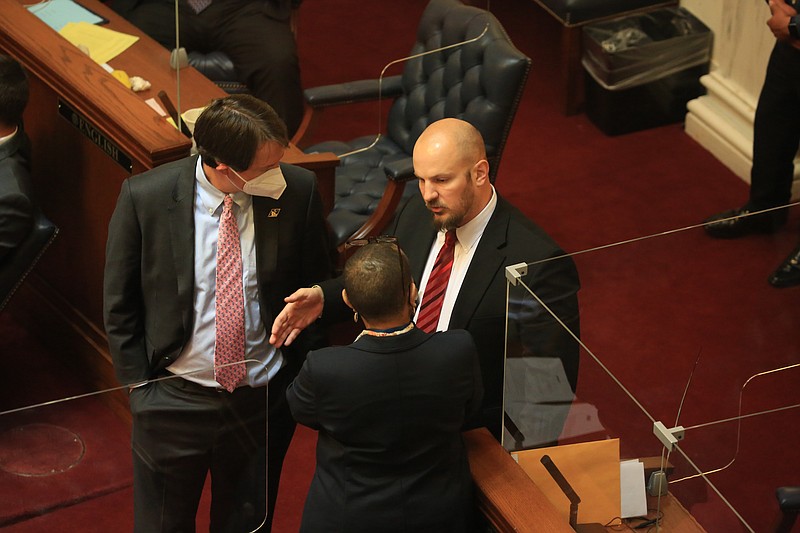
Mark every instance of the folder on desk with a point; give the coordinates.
(592, 469)
(103, 44)
(57, 13)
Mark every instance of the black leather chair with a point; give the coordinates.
(480, 82)
(789, 502)
(218, 67)
(15, 268)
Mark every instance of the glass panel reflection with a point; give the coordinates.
(675, 328)
(65, 457)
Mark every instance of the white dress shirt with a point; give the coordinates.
(468, 235)
(197, 356)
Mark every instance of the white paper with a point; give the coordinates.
(632, 491)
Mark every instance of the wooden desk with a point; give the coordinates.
(512, 502)
(88, 133)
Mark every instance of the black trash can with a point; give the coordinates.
(642, 69)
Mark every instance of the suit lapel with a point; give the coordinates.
(266, 218)
(488, 258)
(181, 226)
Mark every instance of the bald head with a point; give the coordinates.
(453, 138)
(450, 164)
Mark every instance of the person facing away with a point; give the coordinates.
(200, 253)
(457, 198)
(17, 206)
(776, 137)
(389, 409)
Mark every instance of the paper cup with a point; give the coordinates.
(190, 117)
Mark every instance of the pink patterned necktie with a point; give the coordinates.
(198, 5)
(431, 306)
(229, 347)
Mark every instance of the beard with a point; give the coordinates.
(453, 217)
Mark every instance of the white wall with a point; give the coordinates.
(722, 121)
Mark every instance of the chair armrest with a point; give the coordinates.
(400, 170)
(788, 498)
(353, 91)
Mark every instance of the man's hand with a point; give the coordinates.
(303, 307)
(779, 21)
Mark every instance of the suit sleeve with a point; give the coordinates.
(123, 311)
(301, 396)
(16, 222)
(556, 283)
(474, 404)
(316, 244)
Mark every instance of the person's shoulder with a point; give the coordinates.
(297, 176)
(171, 168)
(454, 338)
(522, 230)
(330, 360)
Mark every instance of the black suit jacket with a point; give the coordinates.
(509, 238)
(389, 411)
(17, 207)
(276, 9)
(149, 272)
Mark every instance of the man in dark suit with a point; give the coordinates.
(453, 174)
(166, 277)
(17, 207)
(389, 410)
(255, 34)
(776, 138)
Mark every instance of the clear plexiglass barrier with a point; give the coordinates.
(674, 357)
(65, 452)
(684, 403)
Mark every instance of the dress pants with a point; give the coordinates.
(262, 49)
(776, 130)
(182, 431)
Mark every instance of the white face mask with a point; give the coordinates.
(271, 183)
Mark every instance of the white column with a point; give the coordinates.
(722, 120)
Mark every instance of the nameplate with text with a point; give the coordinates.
(95, 135)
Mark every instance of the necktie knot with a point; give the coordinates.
(450, 238)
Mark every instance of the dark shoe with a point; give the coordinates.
(788, 274)
(724, 226)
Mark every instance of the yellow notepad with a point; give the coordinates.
(103, 44)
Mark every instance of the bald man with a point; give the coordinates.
(456, 194)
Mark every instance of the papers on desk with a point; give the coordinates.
(631, 477)
(57, 13)
(103, 44)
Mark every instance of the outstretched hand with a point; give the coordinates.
(303, 307)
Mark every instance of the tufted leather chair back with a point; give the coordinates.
(480, 82)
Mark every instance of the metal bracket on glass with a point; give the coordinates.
(515, 272)
(668, 437)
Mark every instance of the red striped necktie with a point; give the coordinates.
(229, 346)
(432, 300)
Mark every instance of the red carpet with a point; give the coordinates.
(647, 308)
(57, 455)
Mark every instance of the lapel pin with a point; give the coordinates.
(274, 212)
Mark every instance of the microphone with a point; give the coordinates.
(572, 496)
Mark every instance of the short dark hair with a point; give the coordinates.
(376, 285)
(13, 91)
(232, 129)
